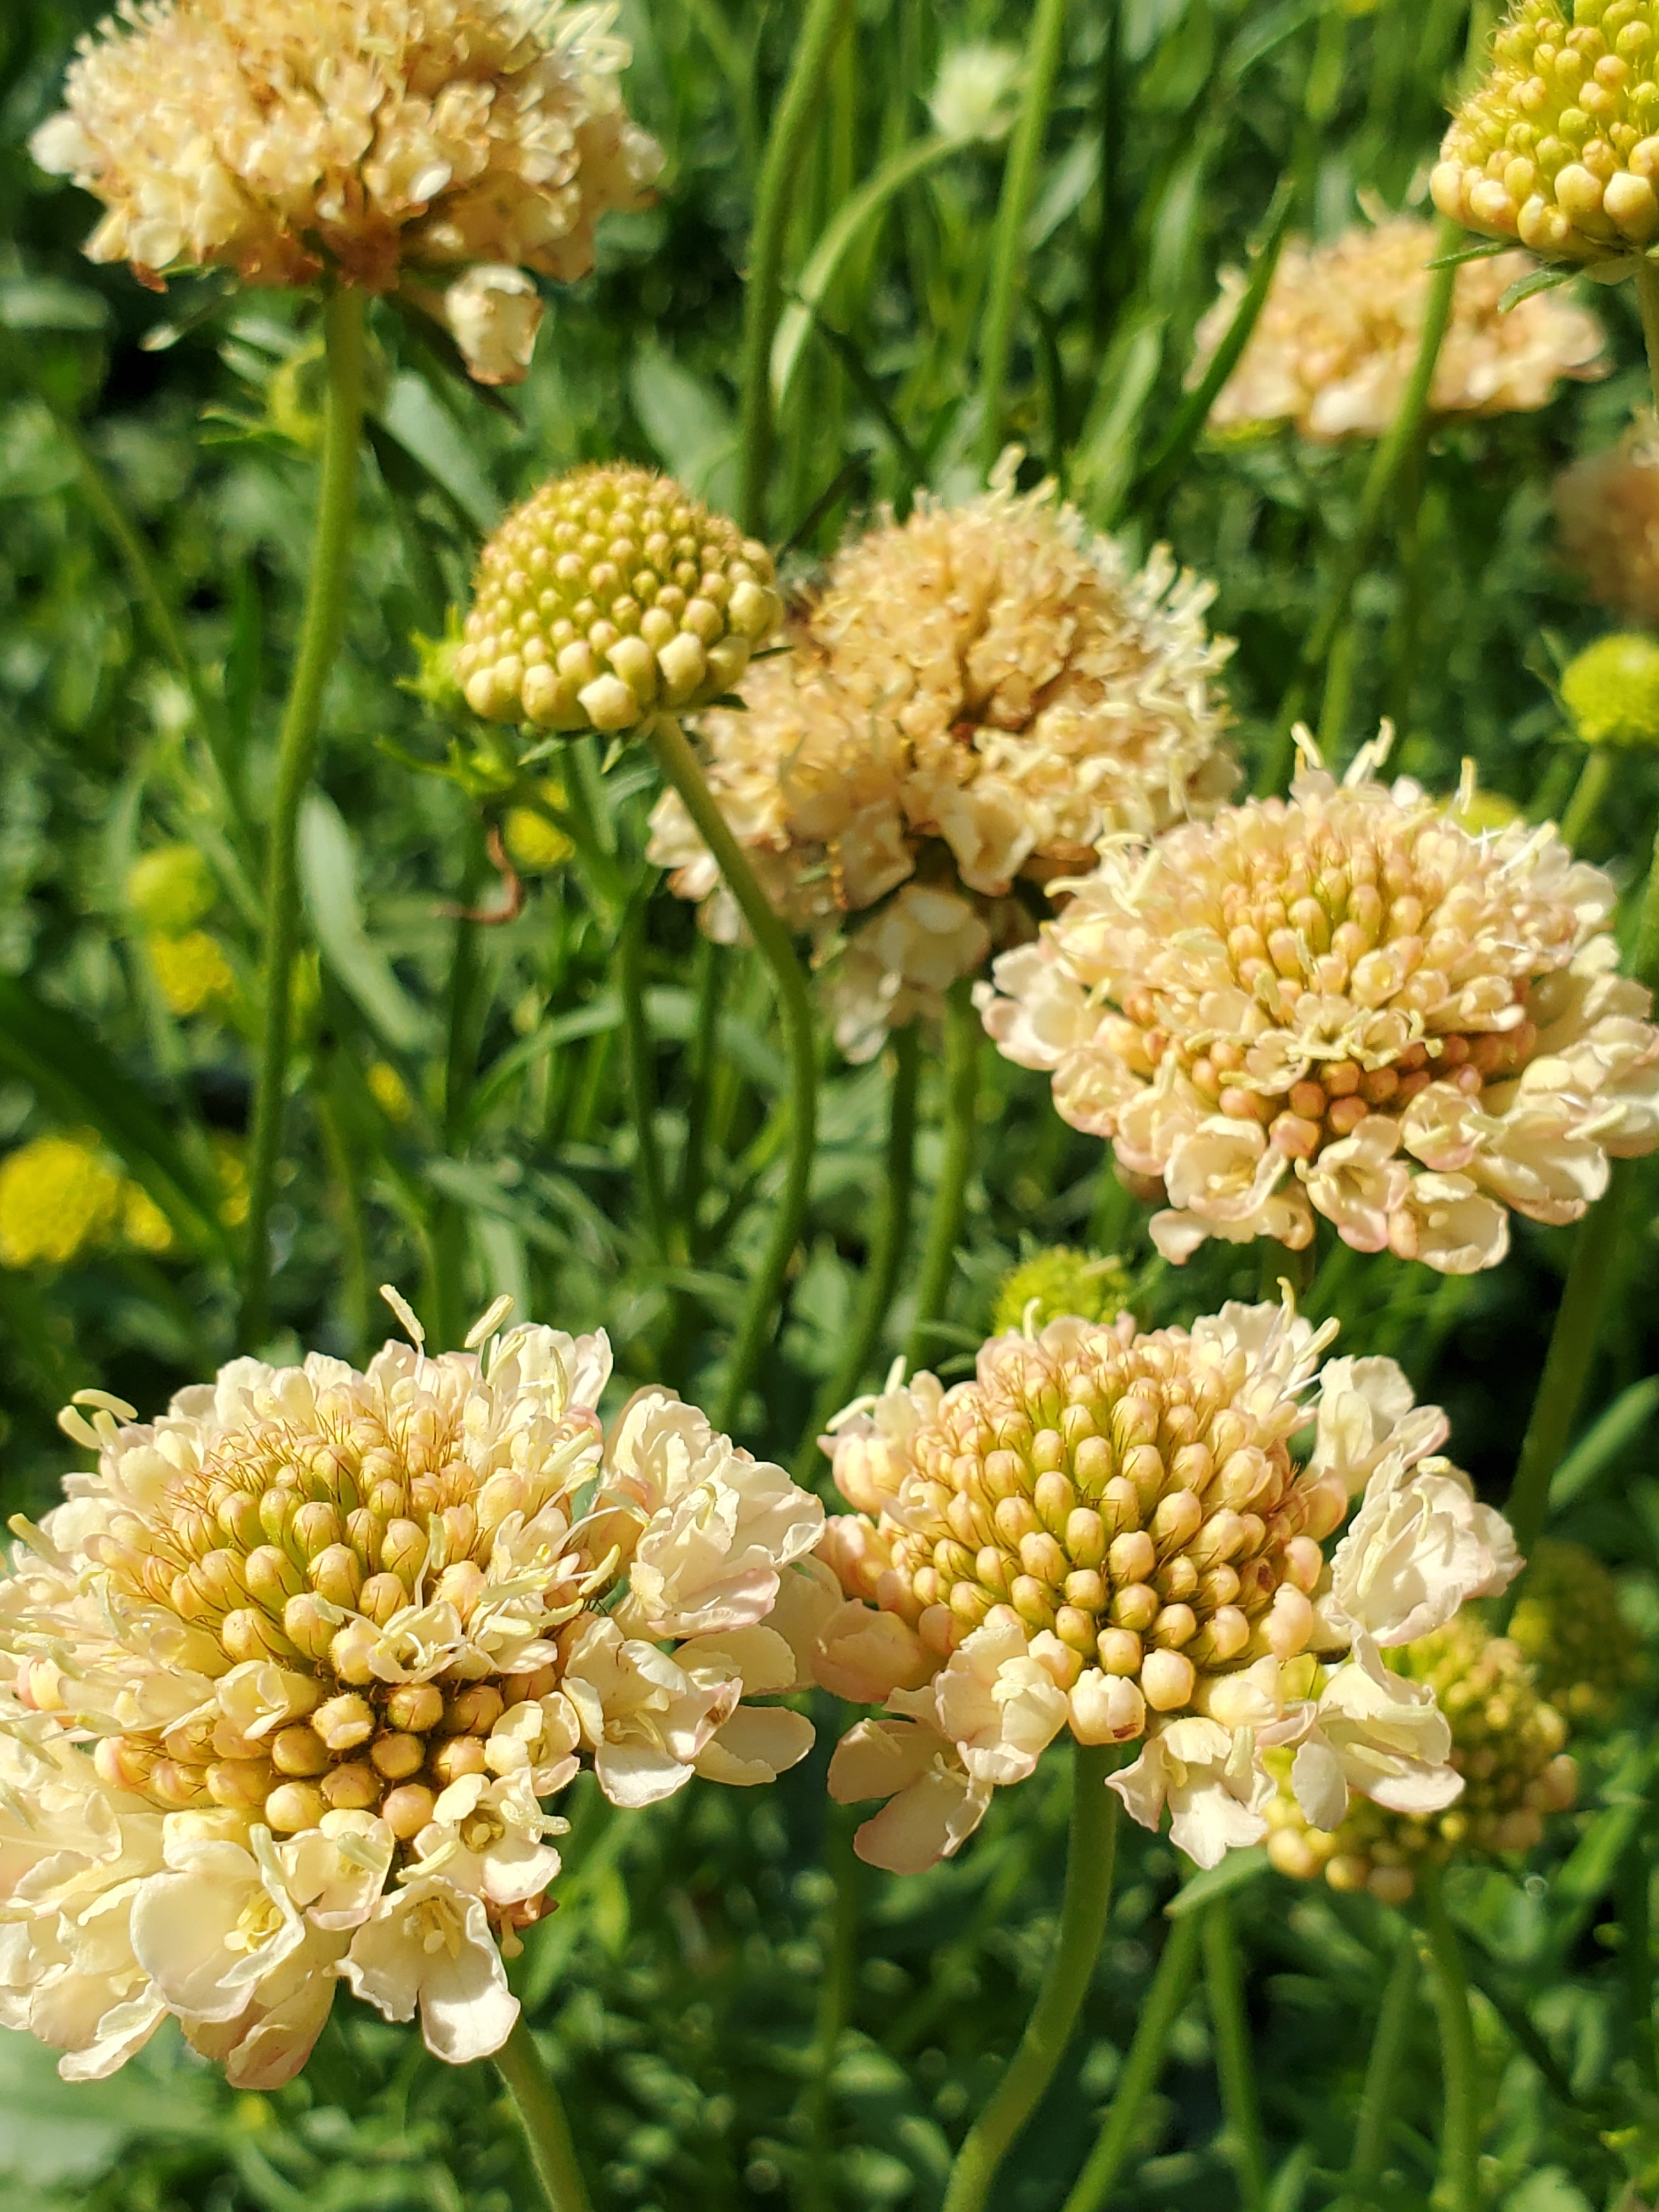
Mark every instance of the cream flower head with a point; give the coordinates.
(1106, 1531)
(1345, 1004)
(975, 697)
(1559, 144)
(387, 140)
(291, 1670)
(1606, 509)
(1338, 337)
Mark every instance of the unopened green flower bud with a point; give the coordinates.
(171, 889)
(1062, 1280)
(1612, 690)
(1584, 1655)
(609, 595)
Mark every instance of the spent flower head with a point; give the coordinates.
(609, 595)
(1338, 334)
(289, 1673)
(1108, 1531)
(393, 142)
(975, 698)
(1569, 1624)
(1612, 691)
(1508, 1745)
(1343, 1005)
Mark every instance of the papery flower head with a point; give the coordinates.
(607, 595)
(974, 699)
(1606, 509)
(390, 142)
(1345, 1005)
(1507, 1744)
(1338, 337)
(1568, 1624)
(1558, 143)
(1108, 1532)
(290, 1671)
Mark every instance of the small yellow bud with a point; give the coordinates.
(171, 889)
(1612, 690)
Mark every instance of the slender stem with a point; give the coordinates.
(541, 2115)
(1644, 954)
(1225, 1979)
(1142, 2067)
(1008, 239)
(1587, 794)
(1394, 2027)
(705, 1046)
(886, 1253)
(963, 1040)
(679, 765)
(1090, 1849)
(642, 1068)
(825, 21)
(1460, 2133)
(1636, 1954)
(817, 2190)
(1647, 300)
(321, 631)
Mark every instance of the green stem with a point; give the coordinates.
(1636, 1953)
(705, 1048)
(1644, 953)
(642, 1068)
(1567, 1363)
(1647, 300)
(1090, 1849)
(1587, 794)
(679, 766)
(1459, 2134)
(825, 21)
(1224, 1980)
(321, 627)
(885, 1255)
(1008, 239)
(817, 2190)
(541, 2115)
(1143, 2066)
(963, 1038)
(1394, 2027)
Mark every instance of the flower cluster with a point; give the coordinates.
(1507, 1745)
(1606, 509)
(1106, 1531)
(290, 1673)
(1346, 1005)
(1559, 145)
(608, 593)
(60, 1197)
(389, 141)
(975, 697)
(1338, 334)
(1585, 1656)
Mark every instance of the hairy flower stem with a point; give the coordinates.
(541, 2115)
(1394, 2025)
(680, 767)
(1090, 1850)
(824, 22)
(321, 627)
(1224, 1979)
(886, 1253)
(1460, 2133)
(1587, 794)
(1007, 240)
(1143, 2066)
(962, 1043)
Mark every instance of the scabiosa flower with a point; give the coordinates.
(1058, 1281)
(459, 141)
(1507, 1744)
(1106, 1531)
(1339, 333)
(290, 1671)
(974, 699)
(1345, 1004)
(1607, 510)
(610, 594)
(1569, 1625)
(1559, 144)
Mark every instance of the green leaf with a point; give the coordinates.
(328, 876)
(1541, 280)
(1234, 1871)
(688, 422)
(1621, 1423)
(1483, 251)
(429, 434)
(48, 303)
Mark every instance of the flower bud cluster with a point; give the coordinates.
(608, 594)
(1607, 510)
(1568, 1625)
(1339, 333)
(383, 140)
(1107, 1531)
(1508, 1744)
(975, 696)
(315, 1645)
(1559, 144)
(60, 1198)
(1345, 1005)
(1060, 1281)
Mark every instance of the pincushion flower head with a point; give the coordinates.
(1107, 1531)
(291, 1670)
(974, 698)
(1345, 1005)
(393, 142)
(1607, 507)
(1559, 144)
(1339, 333)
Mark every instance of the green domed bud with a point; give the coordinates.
(1612, 690)
(171, 889)
(1584, 1655)
(609, 595)
(1062, 1280)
